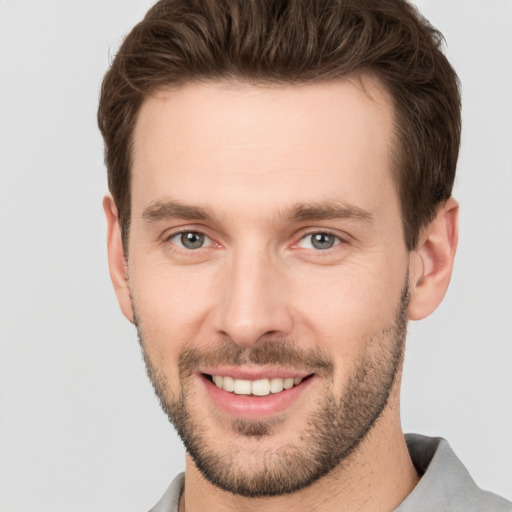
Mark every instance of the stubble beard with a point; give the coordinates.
(334, 430)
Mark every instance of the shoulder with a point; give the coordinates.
(170, 501)
(445, 483)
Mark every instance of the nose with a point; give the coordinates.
(253, 301)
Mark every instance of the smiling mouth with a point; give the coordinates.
(260, 387)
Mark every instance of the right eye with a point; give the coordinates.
(190, 240)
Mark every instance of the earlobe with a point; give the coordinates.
(431, 263)
(116, 258)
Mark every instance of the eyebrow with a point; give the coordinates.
(301, 212)
(328, 210)
(165, 210)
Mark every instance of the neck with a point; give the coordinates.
(376, 477)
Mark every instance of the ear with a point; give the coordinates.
(431, 263)
(116, 259)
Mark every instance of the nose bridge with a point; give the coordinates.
(253, 299)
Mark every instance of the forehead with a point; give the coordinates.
(216, 142)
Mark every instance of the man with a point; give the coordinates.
(281, 177)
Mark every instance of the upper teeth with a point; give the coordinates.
(260, 387)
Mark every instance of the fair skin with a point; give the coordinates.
(241, 158)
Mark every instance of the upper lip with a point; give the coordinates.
(246, 373)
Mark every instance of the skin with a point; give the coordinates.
(248, 154)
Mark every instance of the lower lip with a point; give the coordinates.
(254, 407)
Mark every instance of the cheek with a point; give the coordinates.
(170, 306)
(346, 311)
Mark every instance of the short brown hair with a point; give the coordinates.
(295, 41)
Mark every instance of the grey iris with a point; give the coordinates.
(322, 241)
(192, 240)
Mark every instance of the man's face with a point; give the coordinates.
(266, 251)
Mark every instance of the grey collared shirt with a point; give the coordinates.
(445, 485)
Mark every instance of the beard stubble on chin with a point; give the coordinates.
(334, 429)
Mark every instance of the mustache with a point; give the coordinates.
(282, 353)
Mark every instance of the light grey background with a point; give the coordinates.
(80, 429)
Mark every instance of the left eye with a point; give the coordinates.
(190, 240)
(319, 241)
